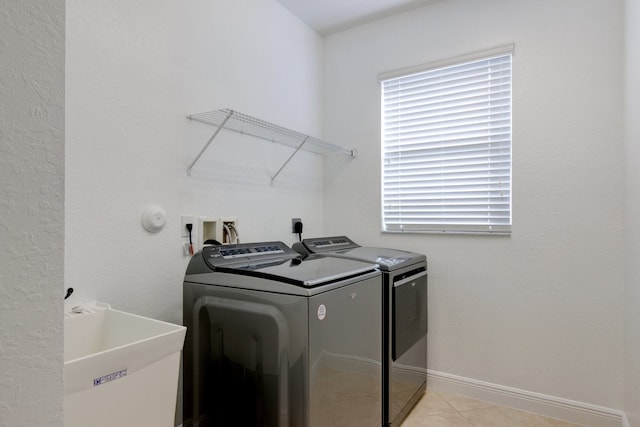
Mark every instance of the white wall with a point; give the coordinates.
(31, 212)
(539, 310)
(632, 224)
(134, 71)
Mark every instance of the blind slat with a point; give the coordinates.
(447, 148)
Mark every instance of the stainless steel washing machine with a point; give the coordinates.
(277, 340)
(404, 280)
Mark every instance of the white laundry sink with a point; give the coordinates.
(120, 369)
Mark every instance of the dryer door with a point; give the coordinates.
(409, 311)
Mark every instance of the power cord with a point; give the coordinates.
(189, 228)
(297, 228)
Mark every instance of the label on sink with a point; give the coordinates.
(110, 377)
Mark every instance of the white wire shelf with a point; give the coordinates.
(247, 125)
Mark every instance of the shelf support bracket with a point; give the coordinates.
(209, 142)
(273, 178)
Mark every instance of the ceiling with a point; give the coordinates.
(329, 16)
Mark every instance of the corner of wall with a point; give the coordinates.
(31, 212)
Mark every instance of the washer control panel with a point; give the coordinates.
(230, 253)
(223, 255)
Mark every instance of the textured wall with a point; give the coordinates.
(31, 212)
(540, 310)
(632, 156)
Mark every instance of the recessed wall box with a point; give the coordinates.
(207, 230)
(223, 230)
(229, 232)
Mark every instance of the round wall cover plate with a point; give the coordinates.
(153, 219)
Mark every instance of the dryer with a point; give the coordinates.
(277, 340)
(404, 281)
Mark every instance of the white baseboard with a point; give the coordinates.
(549, 406)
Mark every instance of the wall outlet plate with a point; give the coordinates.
(293, 224)
(184, 220)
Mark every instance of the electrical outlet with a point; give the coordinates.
(184, 220)
(293, 224)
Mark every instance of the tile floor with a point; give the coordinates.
(438, 409)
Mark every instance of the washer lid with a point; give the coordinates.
(387, 259)
(315, 270)
(275, 261)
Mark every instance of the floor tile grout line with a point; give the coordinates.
(506, 411)
(453, 407)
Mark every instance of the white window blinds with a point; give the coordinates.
(446, 148)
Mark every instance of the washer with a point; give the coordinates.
(277, 340)
(404, 281)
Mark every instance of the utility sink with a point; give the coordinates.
(119, 368)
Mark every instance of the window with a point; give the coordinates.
(446, 148)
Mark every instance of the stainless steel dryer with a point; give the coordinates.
(404, 279)
(275, 340)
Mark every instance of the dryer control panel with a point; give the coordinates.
(329, 244)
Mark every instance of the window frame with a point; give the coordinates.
(501, 228)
